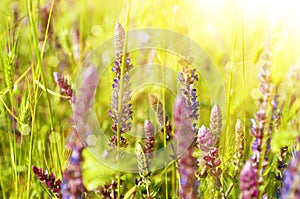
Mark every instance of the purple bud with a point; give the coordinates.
(249, 181)
(205, 139)
(291, 179)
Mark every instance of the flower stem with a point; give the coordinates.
(121, 93)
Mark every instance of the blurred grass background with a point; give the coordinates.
(233, 34)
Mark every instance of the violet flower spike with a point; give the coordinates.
(124, 124)
(291, 179)
(259, 124)
(120, 37)
(259, 129)
(249, 181)
(49, 180)
(215, 124)
(72, 186)
(66, 88)
(187, 164)
(240, 143)
(205, 139)
(187, 78)
(208, 139)
(83, 102)
(149, 142)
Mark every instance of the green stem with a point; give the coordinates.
(13, 146)
(83, 17)
(123, 66)
(30, 150)
(243, 61)
(174, 179)
(227, 130)
(39, 71)
(165, 138)
(39, 54)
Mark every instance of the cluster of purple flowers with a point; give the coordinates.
(72, 186)
(149, 141)
(291, 179)
(66, 89)
(121, 118)
(187, 78)
(249, 181)
(49, 180)
(208, 142)
(187, 165)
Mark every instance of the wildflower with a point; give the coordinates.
(125, 114)
(291, 179)
(109, 191)
(249, 181)
(149, 141)
(49, 180)
(72, 186)
(240, 139)
(215, 124)
(208, 142)
(187, 78)
(187, 164)
(83, 102)
(259, 124)
(120, 37)
(144, 157)
(62, 82)
(205, 139)
(208, 138)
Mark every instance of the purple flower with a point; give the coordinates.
(109, 191)
(72, 177)
(215, 124)
(249, 181)
(259, 124)
(83, 102)
(66, 88)
(182, 124)
(208, 139)
(120, 37)
(187, 163)
(149, 141)
(291, 179)
(205, 139)
(259, 128)
(72, 186)
(187, 78)
(125, 114)
(49, 180)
